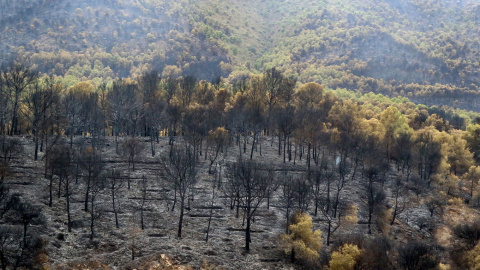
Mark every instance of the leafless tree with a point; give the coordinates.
(333, 221)
(9, 148)
(10, 247)
(124, 109)
(92, 164)
(5, 200)
(215, 182)
(400, 201)
(115, 183)
(287, 198)
(218, 141)
(26, 213)
(180, 169)
(375, 196)
(302, 192)
(19, 245)
(97, 186)
(143, 190)
(60, 163)
(318, 178)
(131, 148)
(4, 109)
(252, 182)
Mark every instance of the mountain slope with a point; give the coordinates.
(426, 49)
(109, 38)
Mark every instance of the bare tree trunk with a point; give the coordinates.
(128, 178)
(142, 226)
(50, 202)
(87, 192)
(329, 231)
(370, 214)
(253, 144)
(211, 208)
(152, 145)
(245, 144)
(260, 143)
(114, 207)
(36, 147)
(174, 198)
(92, 219)
(247, 232)
(180, 222)
(59, 186)
(69, 220)
(144, 197)
(279, 145)
(288, 220)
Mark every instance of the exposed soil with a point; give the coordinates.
(111, 248)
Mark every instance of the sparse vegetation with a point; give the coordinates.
(190, 133)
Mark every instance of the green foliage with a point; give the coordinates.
(472, 136)
(424, 51)
(303, 240)
(472, 258)
(345, 258)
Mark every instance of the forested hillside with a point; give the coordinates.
(425, 50)
(331, 134)
(261, 173)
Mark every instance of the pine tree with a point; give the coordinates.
(303, 242)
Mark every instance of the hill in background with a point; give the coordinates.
(425, 50)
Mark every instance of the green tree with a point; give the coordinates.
(395, 124)
(472, 177)
(302, 241)
(456, 152)
(428, 153)
(345, 258)
(472, 136)
(472, 258)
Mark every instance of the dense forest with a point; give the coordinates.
(239, 134)
(424, 50)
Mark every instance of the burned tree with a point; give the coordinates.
(143, 190)
(19, 245)
(287, 197)
(251, 182)
(218, 140)
(115, 183)
(60, 163)
(180, 169)
(131, 148)
(40, 102)
(375, 196)
(8, 148)
(92, 164)
(10, 247)
(25, 214)
(17, 79)
(400, 201)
